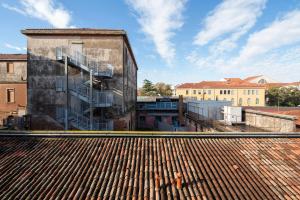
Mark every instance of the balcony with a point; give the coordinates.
(77, 59)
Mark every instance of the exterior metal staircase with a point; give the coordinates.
(85, 92)
(83, 123)
(79, 60)
(82, 91)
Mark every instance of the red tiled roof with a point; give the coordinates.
(292, 111)
(13, 56)
(251, 78)
(272, 85)
(219, 84)
(119, 168)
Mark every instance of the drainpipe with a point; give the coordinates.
(91, 100)
(66, 92)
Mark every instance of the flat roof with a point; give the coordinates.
(126, 167)
(82, 31)
(13, 57)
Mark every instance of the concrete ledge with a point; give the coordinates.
(270, 114)
(150, 134)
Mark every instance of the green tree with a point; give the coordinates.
(163, 89)
(283, 96)
(148, 89)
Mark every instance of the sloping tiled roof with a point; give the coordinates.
(251, 78)
(13, 56)
(291, 111)
(219, 84)
(131, 168)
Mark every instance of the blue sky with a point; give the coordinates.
(177, 41)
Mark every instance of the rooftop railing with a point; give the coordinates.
(80, 60)
(158, 106)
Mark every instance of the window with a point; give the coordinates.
(224, 91)
(194, 91)
(249, 91)
(248, 101)
(186, 92)
(253, 92)
(199, 91)
(10, 95)
(228, 92)
(10, 68)
(221, 91)
(262, 81)
(240, 101)
(257, 101)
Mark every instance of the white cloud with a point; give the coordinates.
(4, 5)
(230, 19)
(17, 48)
(45, 10)
(159, 19)
(282, 32)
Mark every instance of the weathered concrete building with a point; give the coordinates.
(13, 89)
(62, 64)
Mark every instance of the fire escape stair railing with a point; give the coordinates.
(82, 122)
(100, 98)
(77, 59)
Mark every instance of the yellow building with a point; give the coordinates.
(239, 92)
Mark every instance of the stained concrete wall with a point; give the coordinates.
(16, 81)
(270, 121)
(43, 71)
(19, 74)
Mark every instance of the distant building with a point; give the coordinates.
(158, 113)
(13, 85)
(81, 79)
(239, 92)
(260, 79)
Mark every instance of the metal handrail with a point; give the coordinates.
(99, 68)
(83, 123)
(104, 98)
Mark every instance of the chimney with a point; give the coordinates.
(179, 181)
(180, 110)
(156, 182)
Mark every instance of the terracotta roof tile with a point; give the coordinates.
(133, 168)
(13, 56)
(219, 84)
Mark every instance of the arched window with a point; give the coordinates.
(240, 101)
(257, 101)
(262, 81)
(248, 101)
